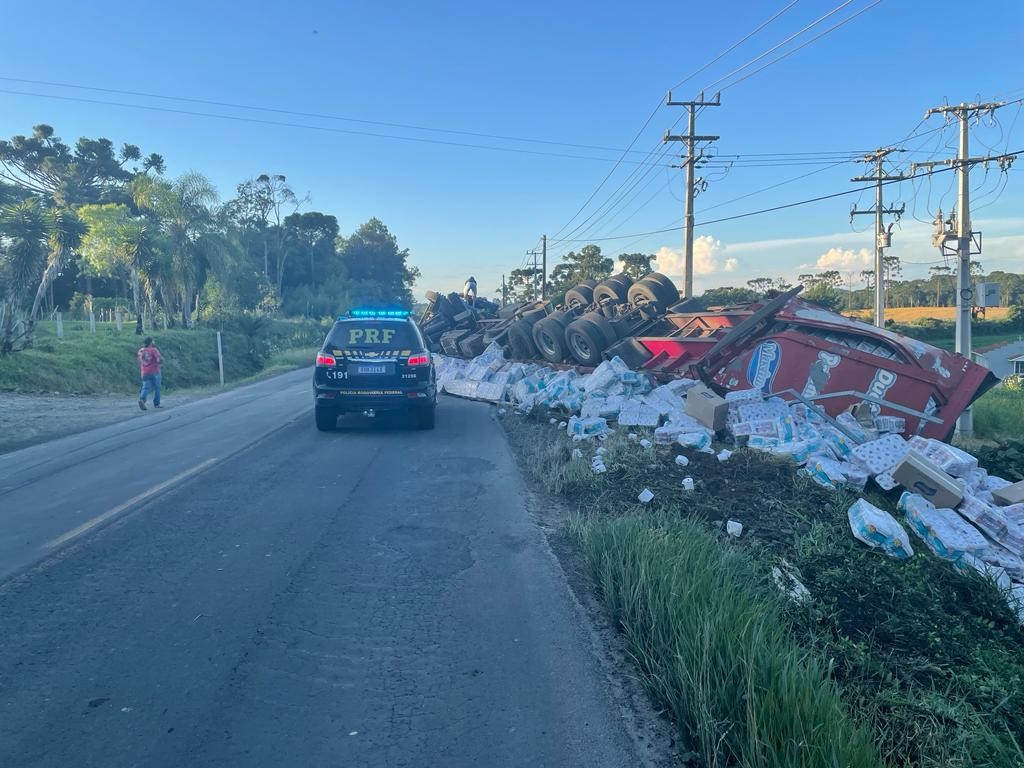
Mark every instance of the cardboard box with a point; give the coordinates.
(1009, 494)
(919, 475)
(707, 407)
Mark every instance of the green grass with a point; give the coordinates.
(977, 342)
(86, 363)
(716, 650)
(999, 414)
(930, 661)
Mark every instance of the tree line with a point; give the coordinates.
(90, 223)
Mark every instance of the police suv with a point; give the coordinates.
(373, 361)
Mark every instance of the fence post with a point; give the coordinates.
(220, 358)
(92, 322)
(117, 319)
(60, 326)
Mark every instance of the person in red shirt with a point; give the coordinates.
(149, 365)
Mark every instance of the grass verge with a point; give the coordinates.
(925, 660)
(999, 414)
(84, 363)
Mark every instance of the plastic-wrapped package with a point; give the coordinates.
(885, 481)
(635, 413)
(895, 424)
(878, 529)
(698, 440)
(760, 411)
(949, 458)
(741, 396)
(986, 517)
(881, 455)
(586, 427)
(946, 533)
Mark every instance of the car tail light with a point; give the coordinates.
(419, 360)
(323, 361)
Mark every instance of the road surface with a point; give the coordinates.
(222, 585)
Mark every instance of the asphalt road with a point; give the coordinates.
(222, 585)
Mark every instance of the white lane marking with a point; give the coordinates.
(134, 500)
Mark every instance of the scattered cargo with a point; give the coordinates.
(878, 380)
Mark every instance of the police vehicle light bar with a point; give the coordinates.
(396, 313)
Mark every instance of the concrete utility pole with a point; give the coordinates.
(692, 157)
(504, 292)
(544, 266)
(883, 236)
(967, 244)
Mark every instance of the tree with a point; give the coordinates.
(939, 272)
(524, 284)
(23, 233)
(636, 265)
(64, 233)
(727, 296)
(577, 267)
(761, 284)
(825, 295)
(43, 164)
(782, 284)
(376, 269)
(261, 205)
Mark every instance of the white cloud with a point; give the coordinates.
(844, 258)
(707, 259)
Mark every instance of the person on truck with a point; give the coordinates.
(470, 290)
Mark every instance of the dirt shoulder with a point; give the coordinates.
(30, 419)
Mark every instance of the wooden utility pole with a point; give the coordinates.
(692, 157)
(883, 236)
(544, 266)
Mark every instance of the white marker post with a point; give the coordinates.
(117, 320)
(220, 359)
(60, 326)
(92, 322)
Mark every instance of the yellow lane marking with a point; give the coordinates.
(134, 500)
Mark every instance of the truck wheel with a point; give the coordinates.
(643, 293)
(549, 336)
(326, 420)
(602, 324)
(580, 296)
(668, 293)
(520, 338)
(589, 282)
(611, 291)
(586, 342)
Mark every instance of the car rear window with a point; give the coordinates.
(374, 334)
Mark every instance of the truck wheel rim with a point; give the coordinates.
(580, 347)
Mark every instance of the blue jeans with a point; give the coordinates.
(148, 381)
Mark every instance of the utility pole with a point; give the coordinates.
(883, 236)
(958, 229)
(504, 292)
(692, 157)
(534, 254)
(544, 266)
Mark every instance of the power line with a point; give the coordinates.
(315, 115)
(321, 128)
(759, 212)
(790, 52)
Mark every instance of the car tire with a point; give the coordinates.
(549, 338)
(425, 417)
(586, 342)
(326, 420)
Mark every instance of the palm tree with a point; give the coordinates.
(23, 233)
(64, 232)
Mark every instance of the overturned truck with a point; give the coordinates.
(782, 345)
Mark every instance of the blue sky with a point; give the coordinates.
(578, 73)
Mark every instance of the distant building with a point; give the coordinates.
(1003, 359)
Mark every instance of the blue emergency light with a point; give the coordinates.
(379, 313)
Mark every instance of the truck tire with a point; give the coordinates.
(664, 289)
(603, 325)
(520, 338)
(589, 282)
(630, 351)
(586, 342)
(549, 338)
(580, 296)
(612, 291)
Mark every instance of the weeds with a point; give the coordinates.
(928, 660)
